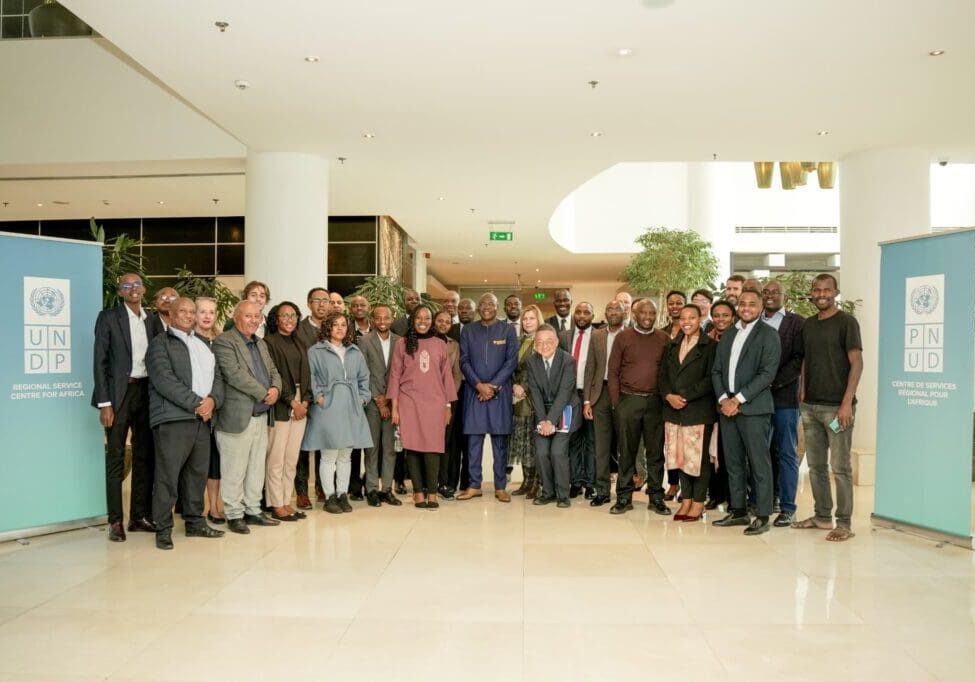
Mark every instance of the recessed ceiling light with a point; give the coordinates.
(441, 198)
(369, 136)
(470, 255)
(624, 51)
(311, 59)
(160, 202)
(538, 281)
(596, 133)
(536, 269)
(936, 53)
(39, 203)
(485, 281)
(822, 133)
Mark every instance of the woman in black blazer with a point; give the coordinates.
(689, 410)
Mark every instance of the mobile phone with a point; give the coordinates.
(835, 425)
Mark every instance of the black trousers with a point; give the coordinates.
(746, 446)
(718, 486)
(302, 473)
(640, 417)
(552, 461)
(356, 480)
(450, 466)
(424, 470)
(582, 454)
(182, 461)
(131, 414)
(604, 427)
(696, 487)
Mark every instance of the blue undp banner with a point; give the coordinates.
(927, 362)
(52, 455)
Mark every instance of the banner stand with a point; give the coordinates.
(22, 534)
(923, 532)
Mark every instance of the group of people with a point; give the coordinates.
(710, 401)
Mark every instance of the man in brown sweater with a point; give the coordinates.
(634, 365)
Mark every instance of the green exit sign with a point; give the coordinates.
(539, 295)
(502, 236)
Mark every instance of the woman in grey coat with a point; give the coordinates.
(337, 421)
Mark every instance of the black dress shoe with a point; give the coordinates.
(445, 492)
(422, 504)
(286, 517)
(563, 503)
(389, 498)
(543, 499)
(732, 519)
(372, 499)
(590, 493)
(164, 539)
(574, 491)
(238, 526)
(260, 520)
(344, 503)
(219, 520)
(713, 504)
(355, 497)
(758, 526)
(203, 531)
(143, 525)
(599, 500)
(400, 489)
(621, 507)
(433, 505)
(116, 533)
(300, 515)
(784, 520)
(659, 507)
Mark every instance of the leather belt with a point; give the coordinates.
(139, 380)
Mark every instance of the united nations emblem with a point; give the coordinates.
(47, 301)
(924, 299)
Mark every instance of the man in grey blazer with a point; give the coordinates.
(744, 367)
(121, 394)
(552, 386)
(251, 386)
(377, 350)
(184, 390)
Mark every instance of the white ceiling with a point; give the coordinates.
(488, 104)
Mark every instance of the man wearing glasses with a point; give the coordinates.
(319, 307)
(163, 301)
(785, 397)
(121, 394)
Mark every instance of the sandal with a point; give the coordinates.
(839, 534)
(813, 522)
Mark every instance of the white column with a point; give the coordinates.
(884, 195)
(286, 233)
(709, 214)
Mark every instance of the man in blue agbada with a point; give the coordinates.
(488, 358)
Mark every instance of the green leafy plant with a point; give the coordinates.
(796, 287)
(193, 286)
(120, 255)
(671, 259)
(382, 290)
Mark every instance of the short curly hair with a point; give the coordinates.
(325, 333)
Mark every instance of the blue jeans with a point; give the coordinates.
(475, 451)
(783, 448)
(827, 450)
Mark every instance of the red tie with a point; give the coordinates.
(578, 347)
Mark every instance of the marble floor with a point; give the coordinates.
(483, 590)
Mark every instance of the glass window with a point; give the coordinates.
(352, 229)
(230, 230)
(179, 230)
(345, 284)
(119, 226)
(66, 229)
(166, 260)
(21, 226)
(230, 260)
(352, 259)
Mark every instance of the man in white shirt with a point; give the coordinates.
(121, 394)
(184, 389)
(625, 300)
(562, 319)
(582, 455)
(450, 302)
(512, 311)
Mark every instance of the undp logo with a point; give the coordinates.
(47, 301)
(924, 299)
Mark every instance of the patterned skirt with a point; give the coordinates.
(521, 444)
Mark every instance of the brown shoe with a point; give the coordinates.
(304, 502)
(502, 496)
(469, 494)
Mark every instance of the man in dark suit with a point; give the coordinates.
(582, 455)
(184, 390)
(465, 315)
(596, 406)
(377, 351)
(456, 475)
(410, 301)
(744, 367)
(785, 396)
(307, 333)
(252, 385)
(552, 386)
(121, 394)
(562, 319)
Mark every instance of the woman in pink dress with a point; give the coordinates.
(421, 387)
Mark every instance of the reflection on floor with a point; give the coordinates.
(483, 590)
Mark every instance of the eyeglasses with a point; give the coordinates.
(129, 286)
(771, 292)
(318, 301)
(288, 316)
(168, 298)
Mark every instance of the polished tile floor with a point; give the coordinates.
(483, 590)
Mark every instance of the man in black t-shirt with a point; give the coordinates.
(831, 368)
